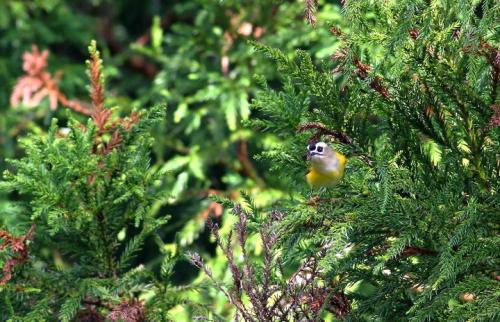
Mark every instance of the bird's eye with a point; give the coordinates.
(312, 147)
(320, 149)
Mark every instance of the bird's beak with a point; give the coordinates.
(310, 155)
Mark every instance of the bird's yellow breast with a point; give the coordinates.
(321, 175)
(318, 180)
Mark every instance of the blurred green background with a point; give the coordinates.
(193, 55)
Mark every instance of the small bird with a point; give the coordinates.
(327, 165)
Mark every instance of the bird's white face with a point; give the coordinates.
(322, 157)
(317, 150)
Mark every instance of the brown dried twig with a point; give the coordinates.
(303, 296)
(37, 84)
(100, 115)
(362, 71)
(337, 32)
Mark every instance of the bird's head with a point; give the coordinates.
(319, 151)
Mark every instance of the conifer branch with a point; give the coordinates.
(87, 185)
(432, 130)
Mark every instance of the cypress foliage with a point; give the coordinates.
(411, 97)
(89, 190)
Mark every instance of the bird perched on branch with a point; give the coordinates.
(327, 165)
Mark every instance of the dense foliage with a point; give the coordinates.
(114, 210)
(412, 98)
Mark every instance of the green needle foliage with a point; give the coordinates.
(411, 97)
(90, 191)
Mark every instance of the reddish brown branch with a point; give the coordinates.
(320, 130)
(311, 6)
(18, 246)
(495, 118)
(337, 32)
(362, 71)
(96, 88)
(100, 115)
